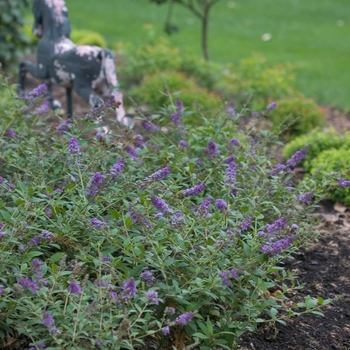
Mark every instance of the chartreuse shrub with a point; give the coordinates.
(87, 37)
(316, 141)
(116, 243)
(303, 114)
(335, 161)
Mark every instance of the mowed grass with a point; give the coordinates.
(313, 35)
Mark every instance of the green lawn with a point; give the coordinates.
(313, 35)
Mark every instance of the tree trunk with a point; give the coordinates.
(205, 23)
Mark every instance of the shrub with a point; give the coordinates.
(303, 112)
(316, 141)
(114, 243)
(333, 161)
(13, 42)
(88, 37)
(150, 92)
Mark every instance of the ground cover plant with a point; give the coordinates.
(117, 242)
(236, 31)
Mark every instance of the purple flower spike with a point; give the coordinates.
(63, 127)
(230, 180)
(74, 146)
(129, 289)
(166, 330)
(149, 126)
(179, 106)
(183, 144)
(343, 183)
(38, 91)
(36, 266)
(160, 205)
(97, 223)
(306, 197)
(49, 322)
(297, 157)
(221, 205)
(95, 184)
(177, 219)
(158, 175)
(43, 109)
(193, 191)
(148, 277)
(203, 209)
(185, 318)
(212, 149)
(26, 283)
(272, 106)
(255, 115)
(117, 168)
(234, 142)
(152, 296)
(74, 288)
(10, 133)
(132, 153)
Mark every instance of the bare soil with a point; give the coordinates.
(324, 268)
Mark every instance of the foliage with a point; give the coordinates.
(88, 37)
(316, 141)
(154, 91)
(303, 113)
(110, 242)
(333, 161)
(13, 42)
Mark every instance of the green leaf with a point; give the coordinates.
(57, 257)
(273, 312)
(200, 335)
(32, 254)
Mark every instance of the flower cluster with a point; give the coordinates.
(95, 184)
(203, 209)
(193, 191)
(176, 117)
(158, 175)
(117, 168)
(160, 205)
(226, 275)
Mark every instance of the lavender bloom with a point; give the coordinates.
(97, 223)
(1, 225)
(228, 160)
(48, 212)
(148, 277)
(36, 266)
(175, 118)
(11, 133)
(3, 234)
(130, 150)
(63, 127)
(297, 157)
(203, 209)
(2, 292)
(166, 330)
(43, 109)
(234, 142)
(100, 283)
(46, 235)
(231, 111)
(306, 197)
(106, 259)
(277, 226)
(149, 126)
(234, 273)
(118, 167)
(129, 289)
(114, 296)
(160, 205)
(95, 184)
(152, 296)
(183, 144)
(74, 146)
(294, 227)
(49, 322)
(139, 143)
(26, 283)
(343, 183)
(255, 114)
(100, 136)
(245, 224)
(276, 247)
(179, 106)
(221, 205)
(272, 106)
(212, 149)
(158, 175)
(231, 175)
(277, 169)
(74, 287)
(193, 191)
(225, 277)
(185, 318)
(138, 219)
(36, 92)
(177, 219)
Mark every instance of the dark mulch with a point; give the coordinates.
(324, 268)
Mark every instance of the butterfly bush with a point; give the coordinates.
(178, 243)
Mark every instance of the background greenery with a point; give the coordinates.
(312, 35)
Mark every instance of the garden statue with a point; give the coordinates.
(59, 60)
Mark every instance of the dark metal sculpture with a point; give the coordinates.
(59, 60)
